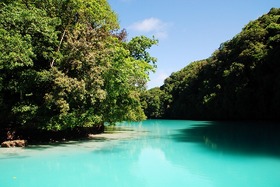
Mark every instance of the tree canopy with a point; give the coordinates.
(65, 63)
(239, 81)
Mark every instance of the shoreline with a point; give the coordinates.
(37, 136)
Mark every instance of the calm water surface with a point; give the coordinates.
(152, 153)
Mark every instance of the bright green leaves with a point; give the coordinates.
(138, 48)
(16, 51)
(62, 65)
(143, 62)
(33, 26)
(125, 79)
(98, 14)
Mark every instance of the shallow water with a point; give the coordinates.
(152, 153)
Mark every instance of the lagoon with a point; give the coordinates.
(153, 153)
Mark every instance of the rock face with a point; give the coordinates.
(14, 143)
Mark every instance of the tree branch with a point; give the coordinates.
(59, 46)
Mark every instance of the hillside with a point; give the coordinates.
(239, 81)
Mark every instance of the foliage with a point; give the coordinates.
(239, 81)
(152, 102)
(64, 64)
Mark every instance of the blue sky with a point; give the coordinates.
(188, 30)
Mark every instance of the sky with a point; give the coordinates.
(187, 30)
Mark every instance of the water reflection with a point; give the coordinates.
(235, 137)
(156, 170)
(157, 153)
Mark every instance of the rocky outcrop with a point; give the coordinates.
(14, 143)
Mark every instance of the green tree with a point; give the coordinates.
(64, 64)
(27, 41)
(152, 102)
(239, 81)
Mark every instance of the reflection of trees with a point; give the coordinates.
(157, 170)
(242, 137)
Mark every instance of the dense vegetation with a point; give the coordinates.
(66, 64)
(241, 79)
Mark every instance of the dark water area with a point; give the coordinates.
(261, 138)
(40, 136)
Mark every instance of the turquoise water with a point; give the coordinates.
(151, 153)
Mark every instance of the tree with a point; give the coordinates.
(27, 41)
(64, 65)
(152, 102)
(239, 81)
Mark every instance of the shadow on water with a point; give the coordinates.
(43, 146)
(9, 156)
(16, 153)
(78, 141)
(96, 138)
(259, 138)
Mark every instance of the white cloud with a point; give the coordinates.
(151, 25)
(148, 25)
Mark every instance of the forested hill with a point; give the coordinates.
(241, 79)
